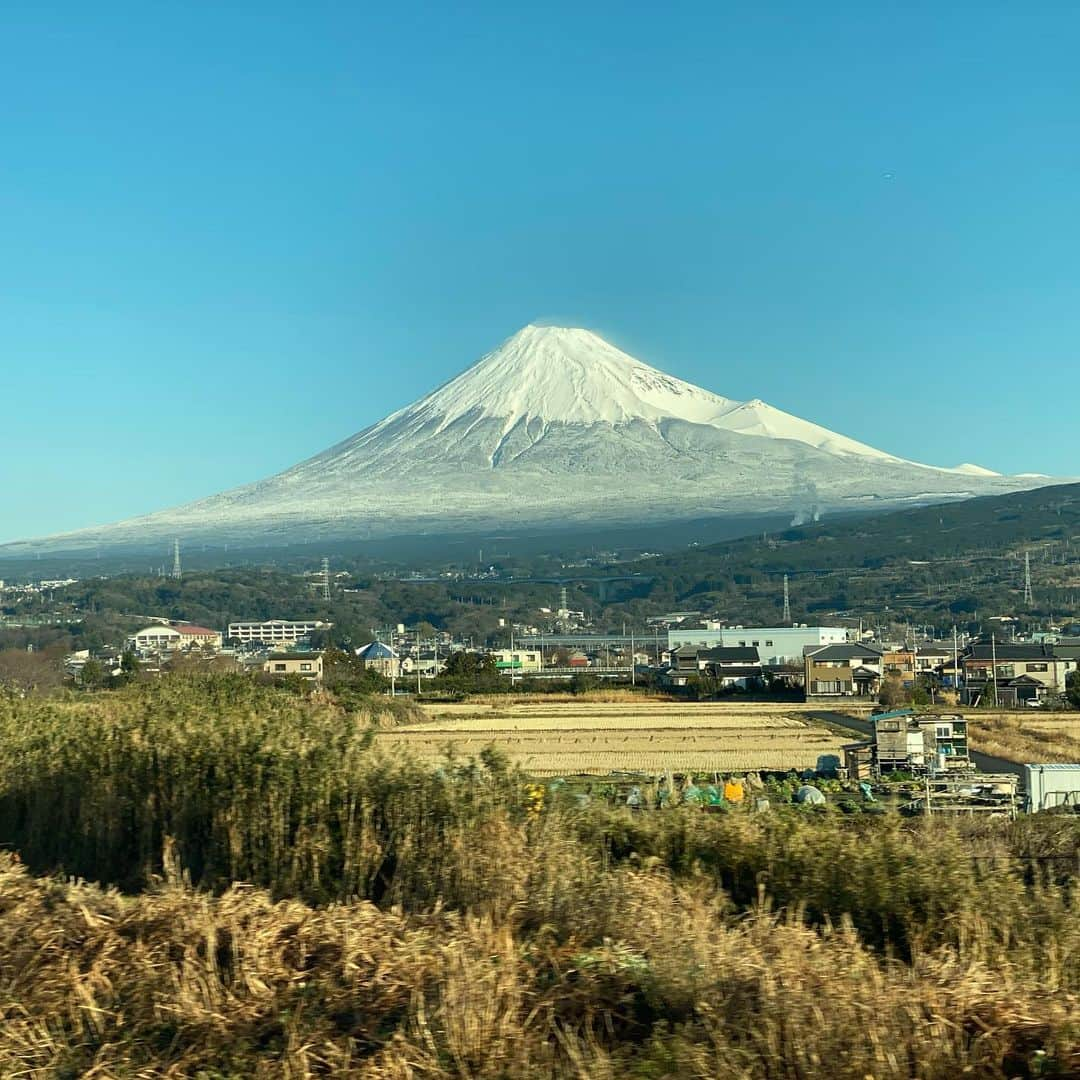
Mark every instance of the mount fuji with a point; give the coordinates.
(558, 427)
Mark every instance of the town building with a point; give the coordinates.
(159, 638)
(931, 657)
(1025, 673)
(775, 644)
(307, 665)
(904, 742)
(517, 660)
(382, 658)
(274, 631)
(734, 666)
(842, 670)
(899, 664)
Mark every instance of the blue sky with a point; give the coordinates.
(234, 234)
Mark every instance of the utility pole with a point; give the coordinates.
(955, 664)
(633, 665)
(993, 664)
(176, 571)
(393, 665)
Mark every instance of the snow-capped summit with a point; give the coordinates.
(566, 375)
(556, 426)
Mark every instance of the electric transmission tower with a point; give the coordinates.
(1028, 600)
(326, 579)
(176, 571)
(787, 603)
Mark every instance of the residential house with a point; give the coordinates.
(1025, 673)
(730, 666)
(428, 663)
(380, 657)
(517, 660)
(308, 665)
(842, 670)
(899, 663)
(932, 656)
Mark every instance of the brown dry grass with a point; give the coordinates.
(472, 938)
(600, 694)
(176, 984)
(1034, 736)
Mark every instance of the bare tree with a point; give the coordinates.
(31, 672)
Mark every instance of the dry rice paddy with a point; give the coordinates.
(589, 737)
(1033, 736)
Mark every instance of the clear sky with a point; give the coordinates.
(233, 234)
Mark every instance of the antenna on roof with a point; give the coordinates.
(787, 603)
(176, 571)
(1028, 601)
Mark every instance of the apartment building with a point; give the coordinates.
(274, 631)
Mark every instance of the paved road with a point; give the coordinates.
(984, 762)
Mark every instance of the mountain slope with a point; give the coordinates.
(556, 425)
(929, 564)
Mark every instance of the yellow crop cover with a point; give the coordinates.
(733, 791)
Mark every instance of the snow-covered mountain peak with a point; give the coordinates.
(967, 469)
(757, 417)
(557, 427)
(568, 375)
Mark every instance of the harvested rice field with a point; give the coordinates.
(599, 738)
(1032, 736)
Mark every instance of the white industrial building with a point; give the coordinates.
(775, 644)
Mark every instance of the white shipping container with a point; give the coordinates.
(1052, 785)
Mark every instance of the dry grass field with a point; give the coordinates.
(1032, 736)
(575, 736)
(296, 907)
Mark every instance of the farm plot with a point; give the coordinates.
(600, 738)
(1026, 737)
